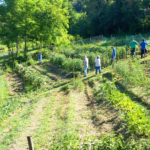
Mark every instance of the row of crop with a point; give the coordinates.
(67, 63)
(75, 51)
(105, 54)
(136, 116)
(31, 77)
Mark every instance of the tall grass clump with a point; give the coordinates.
(133, 73)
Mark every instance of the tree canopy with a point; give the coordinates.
(44, 20)
(50, 21)
(112, 16)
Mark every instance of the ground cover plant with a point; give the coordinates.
(32, 77)
(136, 115)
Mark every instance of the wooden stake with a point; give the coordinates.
(30, 142)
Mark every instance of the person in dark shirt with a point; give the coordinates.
(143, 48)
(113, 57)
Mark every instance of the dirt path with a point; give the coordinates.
(21, 143)
(15, 84)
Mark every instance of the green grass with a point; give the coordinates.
(69, 115)
(4, 92)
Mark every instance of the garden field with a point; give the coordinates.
(62, 110)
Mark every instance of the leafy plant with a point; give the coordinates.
(136, 115)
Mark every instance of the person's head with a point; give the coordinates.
(40, 53)
(112, 47)
(143, 40)
(84, 57)
(132, 39)
(98, 57)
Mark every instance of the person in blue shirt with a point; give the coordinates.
(40, 58)
(113, 57)
(143, 48)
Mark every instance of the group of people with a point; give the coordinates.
(97, 62)
(132, 44)
(143, 48)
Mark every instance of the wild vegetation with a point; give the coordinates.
(52, 101)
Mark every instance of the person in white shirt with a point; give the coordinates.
(98, 64)
(86, 64)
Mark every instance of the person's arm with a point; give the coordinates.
(85, 63)
(141, 45)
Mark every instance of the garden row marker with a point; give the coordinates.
(30, 142)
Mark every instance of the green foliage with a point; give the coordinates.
(7, 109)
(78, 84)
(31, 77)
(3, 90)
(111, 17)
(40, 21)
(61, 60)
(132, 72)
(136, 116)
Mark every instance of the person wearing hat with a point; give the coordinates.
(113, 57)
(98, 64)
(133, 44)
(143, 48)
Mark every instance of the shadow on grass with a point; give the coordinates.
(46, 73)
(104, 114)
(124, 89)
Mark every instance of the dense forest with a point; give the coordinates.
(50, 21)
(110, 17)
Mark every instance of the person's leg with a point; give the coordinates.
(99, 69)
(141, 54)
(96, 69)
(111, 61)
(144, 53)
(85, 71)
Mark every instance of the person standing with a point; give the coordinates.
(143, 48)
(133, 44)
(113, 57)
(98, 64)
(40, 58)
(86, 64)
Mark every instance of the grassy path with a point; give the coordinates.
(13, 128)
